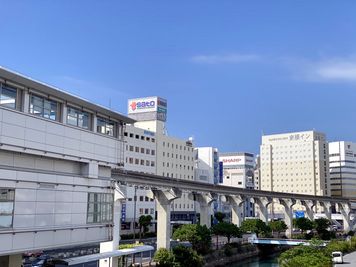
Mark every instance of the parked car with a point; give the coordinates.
(337, 257)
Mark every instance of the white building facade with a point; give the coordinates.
(174, 156)
(238, 171)
(295, 163)
(56, 156)
(342, 160)
(140, 156)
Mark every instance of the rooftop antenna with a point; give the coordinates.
(110, 103)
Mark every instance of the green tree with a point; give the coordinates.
(303, 224)
(199, 236)
(278, 226)
(321, 225)
(187, 257)
(220, 216)
(164, 258)
(144, 221)
(226, 229)
(256, 226)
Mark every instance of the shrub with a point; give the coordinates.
(164, 258)
(187, 257)
(124, 246)
(306, 256)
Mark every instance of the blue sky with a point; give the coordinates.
(231, 70)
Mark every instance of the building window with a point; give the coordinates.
(146, 211)
(147, 151)
(152, 211)
(100, 208)
(43, 107)
(153, 152)
(105, 126)
(141, 198)
(8, 96)
(7, 197)
(141, 211)
(78, 118)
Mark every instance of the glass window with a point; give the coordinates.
(7, 197)
(44, 107)
(100, 208)
(78, 118)
(8, 96)
(106, 126)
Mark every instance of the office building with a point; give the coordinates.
(295, 163)
(56, 152)
(342, 162)
(238, 171)
(140, 156)
(206, 165)
(174, 156)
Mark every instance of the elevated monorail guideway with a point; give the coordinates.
(164, 190)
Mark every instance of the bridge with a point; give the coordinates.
(281, 242)
(164, 190)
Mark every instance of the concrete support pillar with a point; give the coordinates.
(288, 214)
(263, 203)
(237, 208)
(64, 113)
(90, 169)
(327, 209)
(94, 123)
(345, 211)
(119, 195)
(26, 102)
(15, 260)
(164, 199)
(309, 206)
(204, 201)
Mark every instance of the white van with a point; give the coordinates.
(337, 257)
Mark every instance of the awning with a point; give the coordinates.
(105, 255)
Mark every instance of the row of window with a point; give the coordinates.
(7, 197)
(180, 166)
(146, 211)
(191, 177)
(141, 150)
(176, 146)
(180, 156)
(142, 199)
(51, 109)
(100, 208)
(141, 162)
(140, 137)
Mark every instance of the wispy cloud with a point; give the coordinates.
(324, 70)
(224, 58)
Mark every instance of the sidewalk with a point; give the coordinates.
(349, 260)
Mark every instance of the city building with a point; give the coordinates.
(140, 156)
(342, 162)
(238, 171)
(174, 156)
(257, 173)
(295, 163)
(56, 152)
(207, 170)
(207, 165)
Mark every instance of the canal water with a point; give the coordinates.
(266, 261)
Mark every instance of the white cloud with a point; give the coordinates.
(227, 58)
(324, 70)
